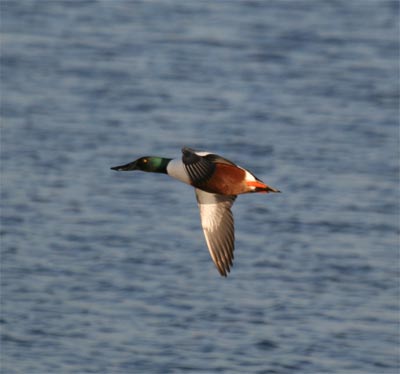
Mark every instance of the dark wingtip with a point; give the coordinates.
(186, 150)
(224, 270)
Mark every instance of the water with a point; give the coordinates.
(108, 272)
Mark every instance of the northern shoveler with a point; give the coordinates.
(217, 182)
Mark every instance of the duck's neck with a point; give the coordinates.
(159, 164)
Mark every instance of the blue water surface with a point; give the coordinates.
(105, 272)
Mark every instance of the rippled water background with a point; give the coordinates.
(105, 272)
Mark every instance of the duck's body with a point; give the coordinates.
(217, 182)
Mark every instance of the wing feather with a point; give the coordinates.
(198, 167)
(218, 227)
(216, 159)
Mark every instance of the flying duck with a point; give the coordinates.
(217, 182)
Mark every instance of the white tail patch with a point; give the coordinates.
(250, 178)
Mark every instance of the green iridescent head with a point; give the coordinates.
(148, 163)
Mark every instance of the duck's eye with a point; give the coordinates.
(145, 160)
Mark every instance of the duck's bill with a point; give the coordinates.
(126, 167)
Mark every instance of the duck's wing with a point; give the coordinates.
(201, 165)
(218, 227)
(216, 159)
(197, 166)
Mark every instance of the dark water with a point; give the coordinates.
(106, 272)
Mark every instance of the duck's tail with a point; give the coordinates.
(261, 187)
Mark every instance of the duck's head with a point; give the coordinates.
(148, 163)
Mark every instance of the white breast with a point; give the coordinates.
(176, 169)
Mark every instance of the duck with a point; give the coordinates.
(217, 182)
